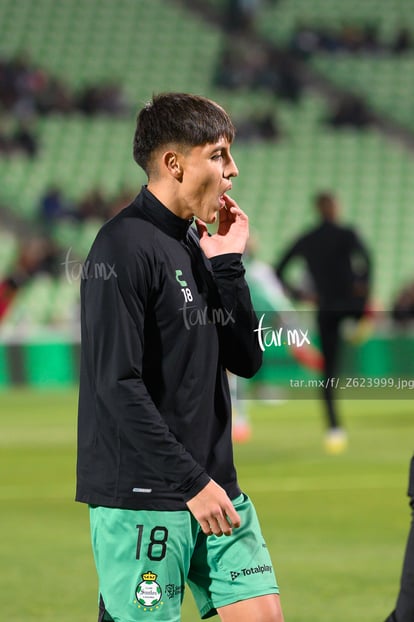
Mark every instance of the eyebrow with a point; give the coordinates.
(220, 147)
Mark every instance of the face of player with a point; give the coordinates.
(207, 172)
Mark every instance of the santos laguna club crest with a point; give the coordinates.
(148, 593)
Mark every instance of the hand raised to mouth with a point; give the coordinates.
(232, 233)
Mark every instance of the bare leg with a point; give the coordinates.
(258, 609)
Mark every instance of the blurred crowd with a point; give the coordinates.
(28, 91)
(55, 206)
(308, 39)
(38, 252)
(255, 67)
(240, 15)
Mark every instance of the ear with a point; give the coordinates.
(171, 161)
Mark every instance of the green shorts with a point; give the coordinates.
(145, 558)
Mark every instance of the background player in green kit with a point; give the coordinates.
(155, 460)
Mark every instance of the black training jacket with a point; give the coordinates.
(160, 325)
(337, 261)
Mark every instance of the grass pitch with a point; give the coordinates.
(336, 525)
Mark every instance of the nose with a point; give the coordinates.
(231, 169)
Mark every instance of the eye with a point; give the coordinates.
(217, 156)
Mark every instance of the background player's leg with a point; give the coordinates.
(329, 325)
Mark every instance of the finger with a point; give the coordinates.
(229, 201)
(226, 523)
(205, 527)
(226, 526)
(216, 530)
(233, 517)
(232, 206)
(217, 526)
(235, 211)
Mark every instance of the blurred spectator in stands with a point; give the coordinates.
(21, 84)
(351, 38)
(123, 198)
(350, 111)
(14, 81)
(304, 41)
(238, 65)
(89, 100)
(280, 76)
(339, 265)
(24, 139)
(356, 38)
(403, 307)
(18, 138)
(240, 15)
(55, 96)
(371, 42)
(104, 98)
(403, 41)
(113, 99)
(27, 90)
(54, 207)
(258, 127)
(253, 67)
(35, 255)
(92, 206)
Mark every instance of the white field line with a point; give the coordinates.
(290, 484)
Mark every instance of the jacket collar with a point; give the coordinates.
(155, 212)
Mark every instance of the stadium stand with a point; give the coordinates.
(148, 46)
(378, 72)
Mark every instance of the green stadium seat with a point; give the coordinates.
(374, 177)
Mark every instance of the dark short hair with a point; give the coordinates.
(181, 118)
(324, 200)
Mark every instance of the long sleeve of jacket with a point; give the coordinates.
(239, 344)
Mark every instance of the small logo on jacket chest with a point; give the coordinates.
(194, 315)
(185, 290)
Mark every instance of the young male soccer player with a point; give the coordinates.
(159, 329)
